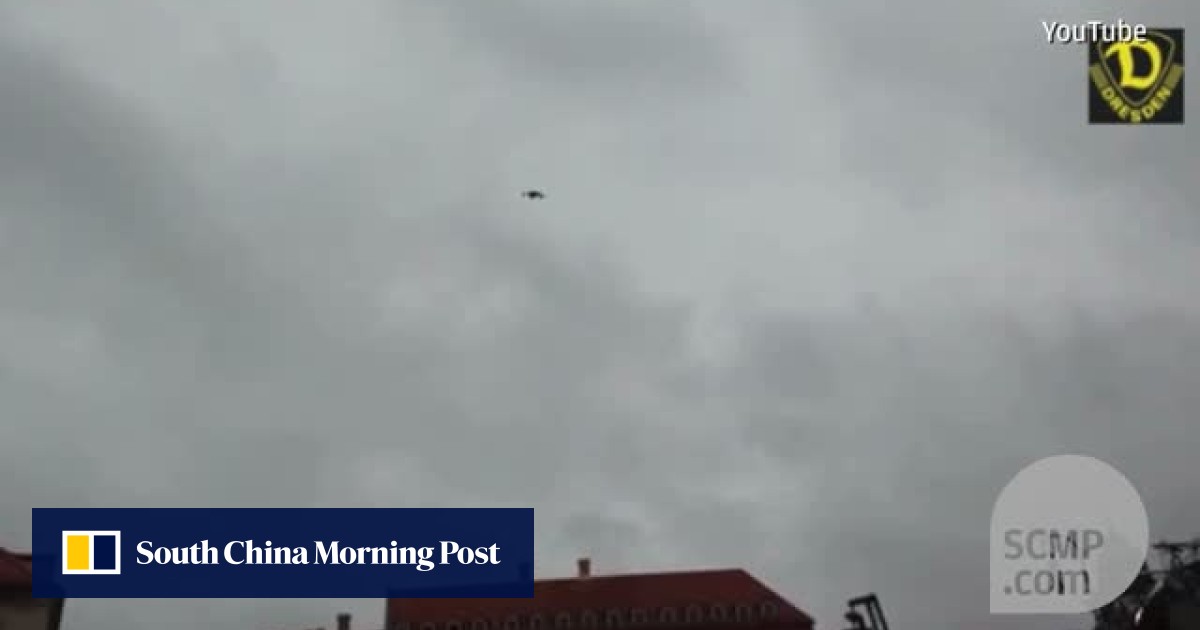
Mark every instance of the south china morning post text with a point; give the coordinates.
(283, 552)
(242, 552)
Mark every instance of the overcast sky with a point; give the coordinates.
(811, 283)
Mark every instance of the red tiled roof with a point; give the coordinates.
(650, 591)
(16, 569)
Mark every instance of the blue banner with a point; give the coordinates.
(265, 552)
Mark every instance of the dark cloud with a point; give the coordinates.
(809, 286)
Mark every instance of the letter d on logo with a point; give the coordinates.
(1069, 534)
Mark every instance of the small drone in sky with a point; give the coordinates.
(533, 194)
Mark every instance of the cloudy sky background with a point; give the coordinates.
(812, 281)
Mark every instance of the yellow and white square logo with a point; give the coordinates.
(91, 553)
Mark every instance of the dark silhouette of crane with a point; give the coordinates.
(869, 604)
(1166, 598)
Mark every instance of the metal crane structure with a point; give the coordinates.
(868, 604)
(1165, 597)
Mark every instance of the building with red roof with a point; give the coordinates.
(19, 610)
(724, 599)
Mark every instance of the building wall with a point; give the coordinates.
(763, 615)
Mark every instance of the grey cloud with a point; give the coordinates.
(309, 281)
(612, 54)
(942, 61)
